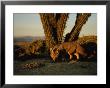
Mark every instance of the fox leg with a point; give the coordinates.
(77, 55)
(70, 56)
(74, 61)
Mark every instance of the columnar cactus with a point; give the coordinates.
(53, 25)
(47, 29)
(81, 19)
(61, 23)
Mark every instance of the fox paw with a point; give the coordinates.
(72, 62)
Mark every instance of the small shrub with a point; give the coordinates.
(32, 65)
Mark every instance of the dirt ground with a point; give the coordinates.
(47, 67)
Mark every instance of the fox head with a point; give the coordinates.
(54, 53)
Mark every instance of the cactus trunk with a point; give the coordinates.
(53, 25)
(45, 19)
(81, 19)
